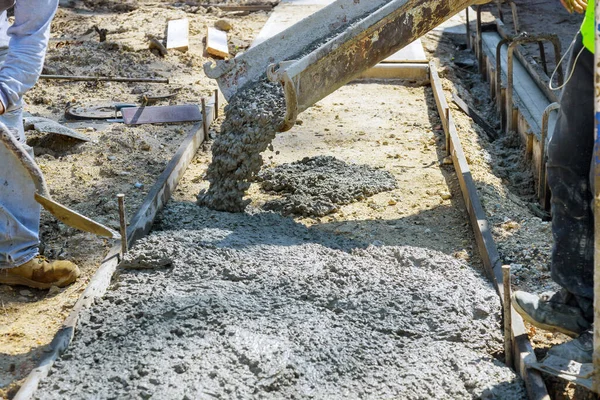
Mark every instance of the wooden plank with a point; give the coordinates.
(405, 71)
(139, 226)
(478, 119)
(414, 53)
(216, 43)
(485, 242)
(177, 34)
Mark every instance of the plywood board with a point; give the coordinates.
(177, 34)
(161, 114)
(216, 43)
(404, 71)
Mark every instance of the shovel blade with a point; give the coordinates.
(74, 219)
(569, 370)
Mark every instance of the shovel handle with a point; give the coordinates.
(13, 145)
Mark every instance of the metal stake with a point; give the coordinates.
(447, 116)
(216, 103)
(204, 120)
(123, 223)
(508, 346)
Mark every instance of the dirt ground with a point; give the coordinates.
(402, 135)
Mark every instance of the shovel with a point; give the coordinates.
(61, 212)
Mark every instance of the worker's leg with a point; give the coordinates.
(569, 156)
(19, 212)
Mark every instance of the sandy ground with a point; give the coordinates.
(393, 127)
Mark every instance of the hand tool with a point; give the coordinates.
(61, 212)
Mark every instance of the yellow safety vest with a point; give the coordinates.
(587, 29)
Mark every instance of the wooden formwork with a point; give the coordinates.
(524, 102)
(522, 349)
(140, 225)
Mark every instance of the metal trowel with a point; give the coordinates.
(61, 212)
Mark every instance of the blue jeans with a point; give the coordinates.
(570, 153)
(22, 50)
(19, 212)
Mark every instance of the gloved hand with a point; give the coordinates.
(578, 6)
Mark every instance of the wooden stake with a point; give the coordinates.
(204, 119)
(508, 347)
(123, 223)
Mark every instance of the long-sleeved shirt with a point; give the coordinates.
(26, 40)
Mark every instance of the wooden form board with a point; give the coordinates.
(289, 12)
(216, 43)
(523, 351)
(177, 34)
(408, 71)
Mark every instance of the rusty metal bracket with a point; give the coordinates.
(515, 13)
(468, 28)
(525, 38)
(544, 134)
(541, 80)
(499, 97)
(479, 39)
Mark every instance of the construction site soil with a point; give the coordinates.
(383, 297)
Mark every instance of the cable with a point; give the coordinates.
(572, 66)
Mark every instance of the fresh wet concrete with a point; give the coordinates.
(317, 186)
(253, 305)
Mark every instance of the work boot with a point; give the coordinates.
(579, 350)
(550, 312)
(40, 273)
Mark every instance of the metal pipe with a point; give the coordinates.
(358, 48)
(499, 99)
(540, 78)
(216, 110)
(542, 166)
(204, 119)
(523, 38)
(468, 28)
(513, 7)
(103, 78)
(479, 39)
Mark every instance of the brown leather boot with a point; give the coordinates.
(40, 273)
